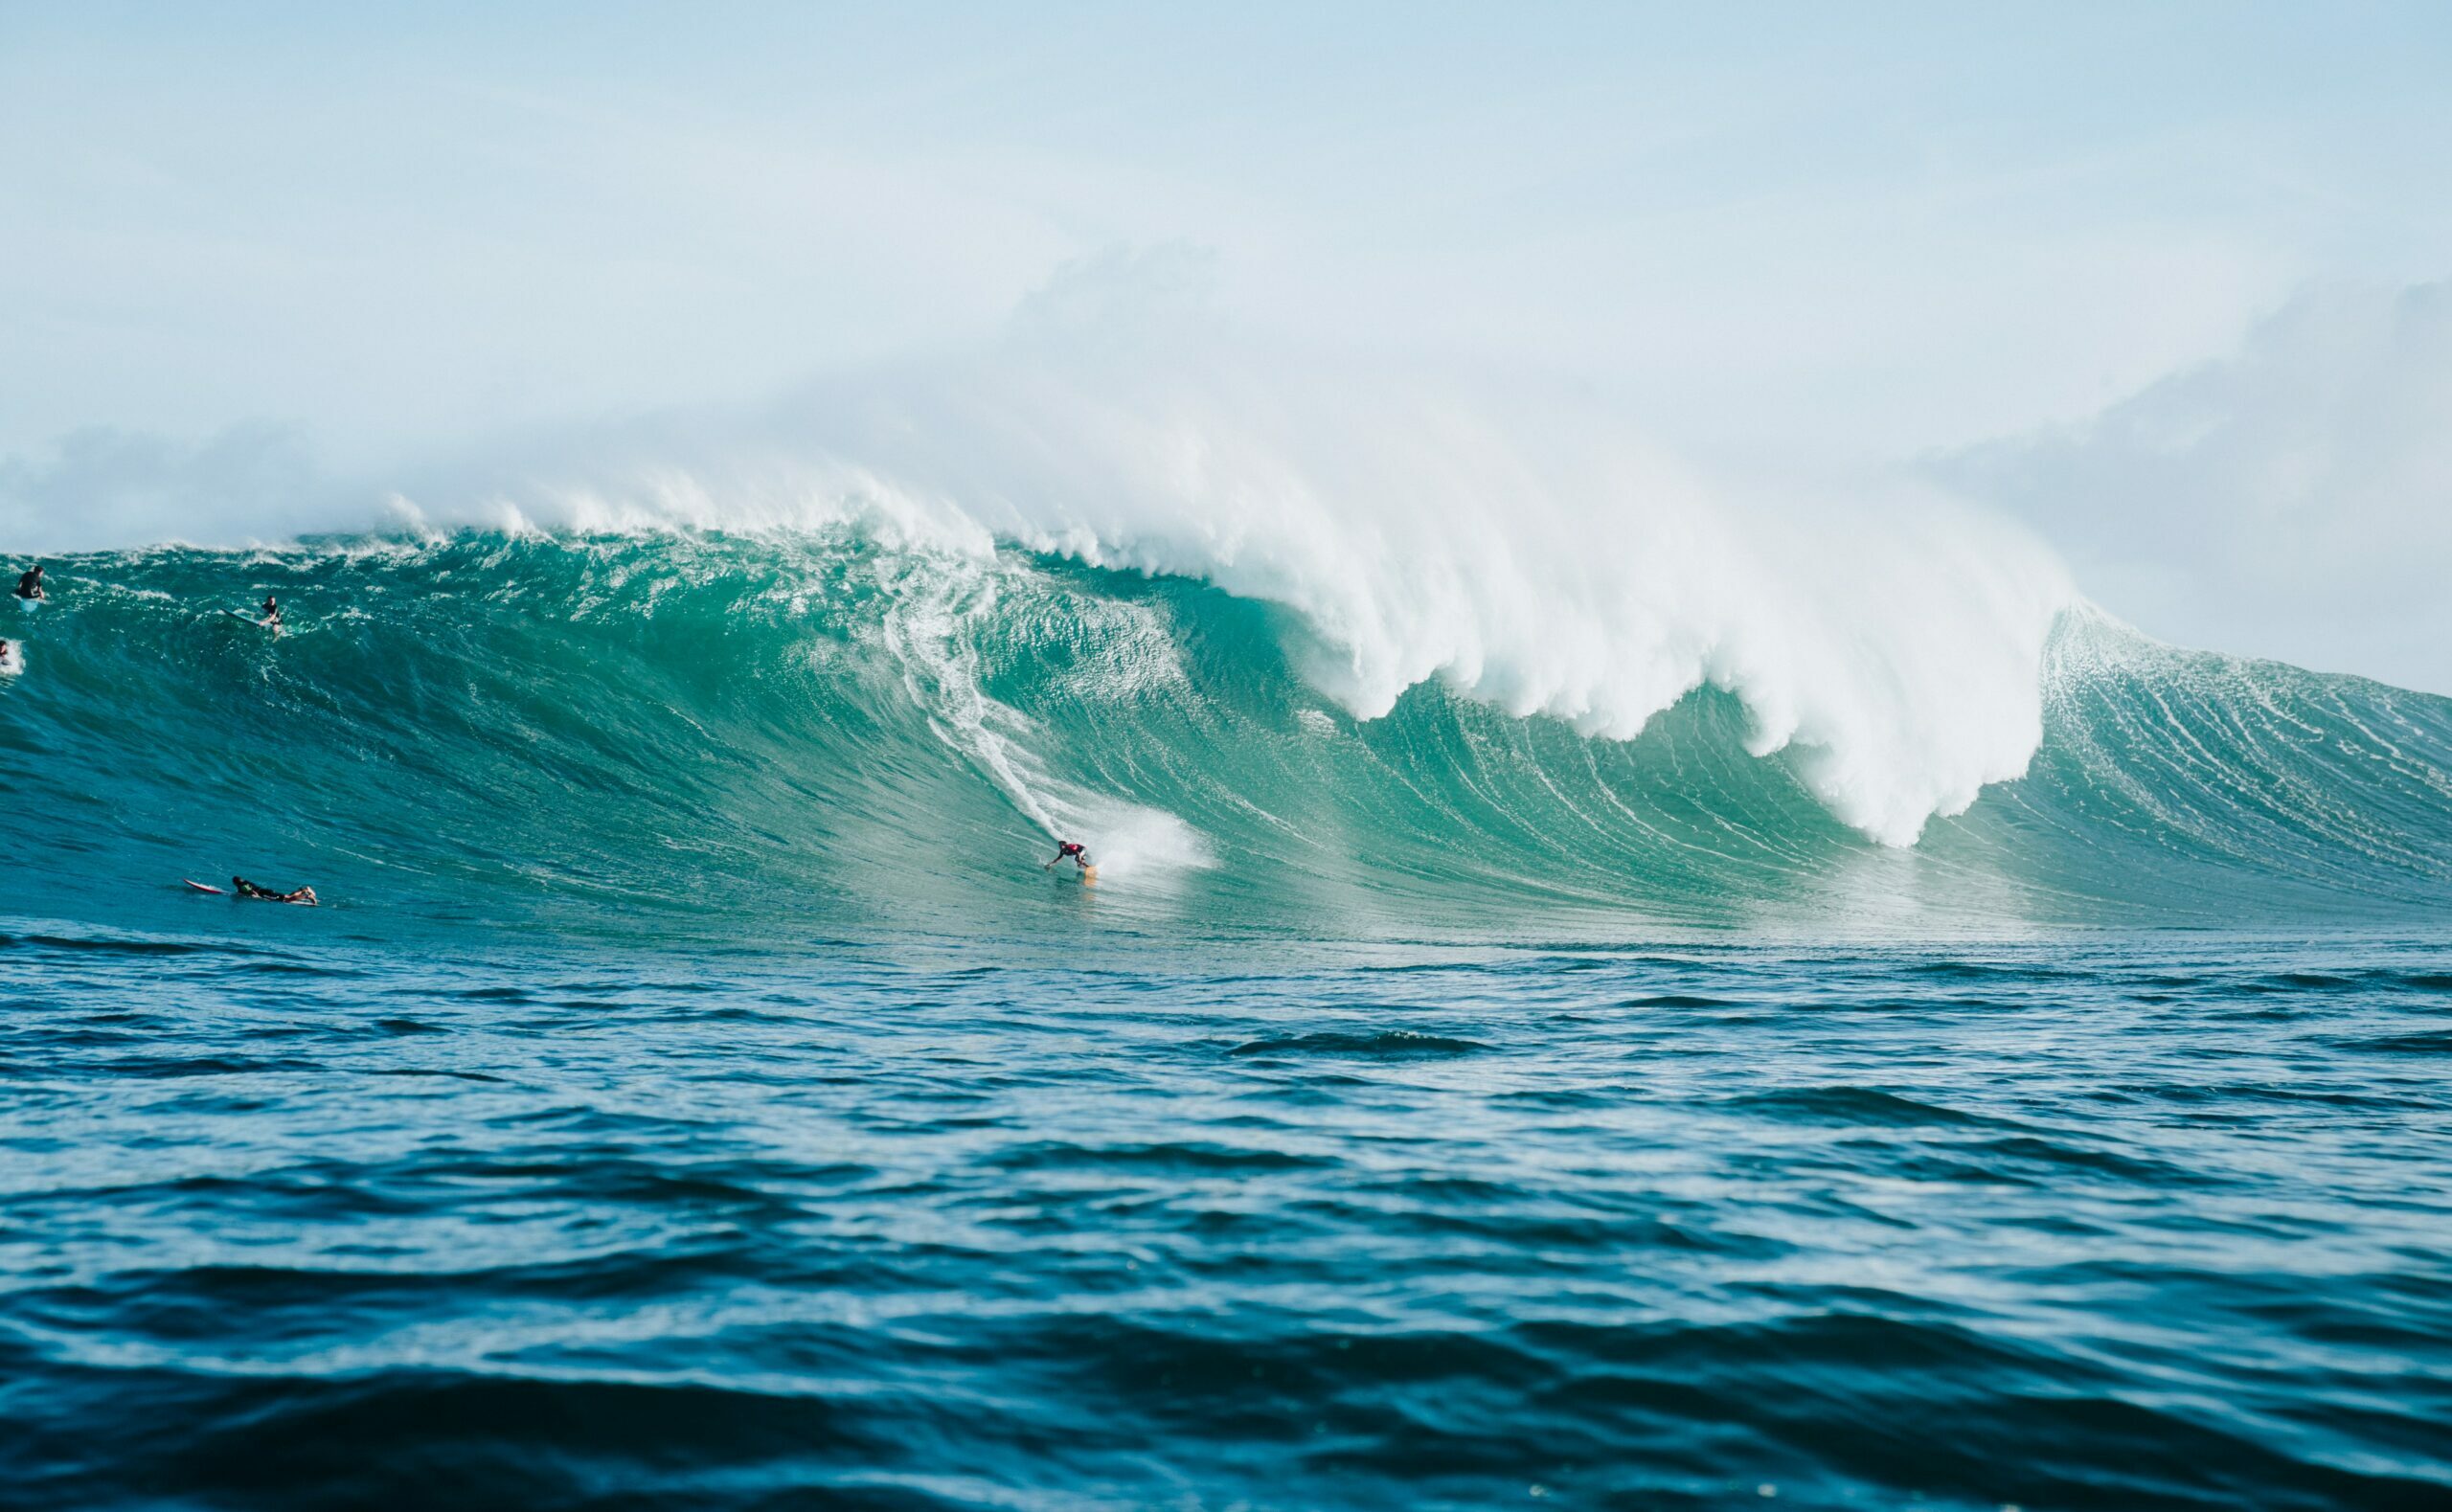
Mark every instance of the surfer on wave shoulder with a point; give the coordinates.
(30, 583)
(248, 889)
(1070, 849)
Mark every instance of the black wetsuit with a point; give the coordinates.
(248, 889)
(30, 584)
(1073, 850)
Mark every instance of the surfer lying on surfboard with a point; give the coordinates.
(248, 889)
(1071, 848)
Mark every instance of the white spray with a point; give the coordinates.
(1516, 543)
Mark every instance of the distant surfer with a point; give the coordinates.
(30, 583)
(1071, 851)
(272, 613)
(12, 663)
(248, 889)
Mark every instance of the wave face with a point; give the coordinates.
(847, 726)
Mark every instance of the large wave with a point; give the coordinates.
(1513, 543)
(866, 722)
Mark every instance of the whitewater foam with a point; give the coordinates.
(1520, 548)
(1887, 643)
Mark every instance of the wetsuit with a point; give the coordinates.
(30, 584)
(1072, 850)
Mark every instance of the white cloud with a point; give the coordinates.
(2292, 500)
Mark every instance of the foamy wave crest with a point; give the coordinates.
(1519, 547)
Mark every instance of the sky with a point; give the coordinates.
(2000, 244)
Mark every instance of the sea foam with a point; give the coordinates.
(1525, 549)
(1521, 544)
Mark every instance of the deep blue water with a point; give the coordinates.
(293, 1217)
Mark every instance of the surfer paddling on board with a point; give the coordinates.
(30, 583)
(248, 889)
(1071, 851)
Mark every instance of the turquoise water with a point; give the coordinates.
(695, 1093)
(697, 738)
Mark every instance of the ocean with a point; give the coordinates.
(1786, 1071)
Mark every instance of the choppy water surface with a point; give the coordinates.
(295, 1220)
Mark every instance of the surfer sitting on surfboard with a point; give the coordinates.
(248, 889)
(272, 612)
(1071, 848)
(30, 584)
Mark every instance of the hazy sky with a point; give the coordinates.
(1876, 231)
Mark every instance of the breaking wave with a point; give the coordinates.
(866, 721)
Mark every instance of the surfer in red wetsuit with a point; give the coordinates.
(1071, 849)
